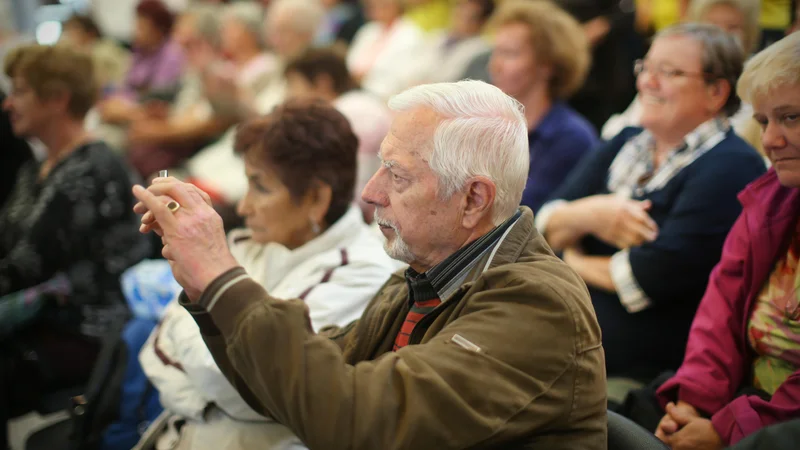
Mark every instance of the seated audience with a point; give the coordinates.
(304, 239)
(540, 58)
(737, 17)
(342, 20)
(155, 69)
(66, 233)
(643, 218)
(157, 141)
(488, 340)
(741, 372)
(449, 53)
(322, 74)
(289, 30)
(111, 60)
(384, 54)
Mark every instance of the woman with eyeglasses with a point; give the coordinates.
(741, 372)
(643, 218)
(739, 18)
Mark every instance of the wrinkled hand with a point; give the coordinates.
(193, 237)
(223, 93)
(622, 222)
(697, 434)
(676, 416)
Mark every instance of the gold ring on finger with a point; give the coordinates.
(173, 206)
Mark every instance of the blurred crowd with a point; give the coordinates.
(646, 170)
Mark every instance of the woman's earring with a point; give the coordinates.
(314, 226)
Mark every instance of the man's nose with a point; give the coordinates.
(374, 192)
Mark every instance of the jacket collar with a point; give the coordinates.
(767, 198)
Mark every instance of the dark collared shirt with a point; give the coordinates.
(427, 290)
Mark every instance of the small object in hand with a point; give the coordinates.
(162, 174)
(173, 206)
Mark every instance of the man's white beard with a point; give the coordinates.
(396, 248)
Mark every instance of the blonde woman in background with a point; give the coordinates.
(737, 17)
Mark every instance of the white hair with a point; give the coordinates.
(249, 15)
(307, 15)
(482, 132)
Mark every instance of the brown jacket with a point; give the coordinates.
(526, 370)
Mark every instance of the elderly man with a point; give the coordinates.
(486, 341)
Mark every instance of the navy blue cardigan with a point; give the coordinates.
(694, 212)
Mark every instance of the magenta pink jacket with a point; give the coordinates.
(718, 357)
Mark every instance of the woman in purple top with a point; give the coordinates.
(156, 67)
(541, 58)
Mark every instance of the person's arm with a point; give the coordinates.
(749, 413)
(565, 218)
(595, 270)
(675, 266)
(159, 359)
(406, 399)
(177, 132)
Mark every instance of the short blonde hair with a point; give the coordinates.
(51, 70)
(775, 66)
(556, 37)
(750, 9)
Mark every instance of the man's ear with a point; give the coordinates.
(479, 199)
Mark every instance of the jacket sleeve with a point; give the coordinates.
(747, 414)
(675, 267)
(177, 392)
(412, 398)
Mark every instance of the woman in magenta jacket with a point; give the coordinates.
(746, 334)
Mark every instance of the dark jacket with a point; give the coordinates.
(512, 357)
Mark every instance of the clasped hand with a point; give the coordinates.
(682, 428)
(621, 222)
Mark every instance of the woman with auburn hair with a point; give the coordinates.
(304, 239)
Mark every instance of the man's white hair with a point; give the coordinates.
(307, 15)
(482, 132)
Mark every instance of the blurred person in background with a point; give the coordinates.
(384, 56)
(540, 58)
(450, 52)
(429, 15)
(304, 239)
(289, 29)
(737, 17)
(342, 20)
(322, 74)
(237, 54)
(112, 60)
(156, 66)
(609, 86)
(66, 233)
(643, 218)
